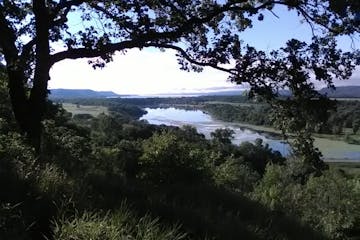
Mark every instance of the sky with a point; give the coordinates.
(151, 71)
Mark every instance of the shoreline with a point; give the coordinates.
(328, 146)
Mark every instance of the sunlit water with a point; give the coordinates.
(332, 150)
(205, 125)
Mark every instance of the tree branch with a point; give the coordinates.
(27, 49)
(190, 59)
(7, 39)
(67, 5)
(90, 53)
(149, 38)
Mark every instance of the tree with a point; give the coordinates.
(356, 125)
(223, 135)
(204, 33)
(169, 159)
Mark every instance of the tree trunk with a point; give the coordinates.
(28, 110)
(18, 97)
(16, 73)
(38, 93)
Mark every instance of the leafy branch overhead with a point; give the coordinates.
(37, 34)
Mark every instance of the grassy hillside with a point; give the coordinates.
(82, 109)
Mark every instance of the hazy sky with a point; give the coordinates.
(150, 71)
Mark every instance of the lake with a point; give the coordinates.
(332, 150)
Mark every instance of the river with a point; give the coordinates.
(332, 150)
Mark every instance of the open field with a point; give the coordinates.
(349, 168)
(334, 150)
(346, 99)
(82, 109)
(231, 103)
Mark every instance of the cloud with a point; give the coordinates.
(137, 72)
(148, 72)
(354, 80)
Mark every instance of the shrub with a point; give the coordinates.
(17, 159)
(330, 203)
(235, 175)
(54, 182)
(167, 159)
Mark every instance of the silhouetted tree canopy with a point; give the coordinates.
(204, 33)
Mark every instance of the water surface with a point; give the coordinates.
(332, 150)
(205, 125)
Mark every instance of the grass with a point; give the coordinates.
(351, 168)
(333, 148)
(119, 224)
(346, 99)
(346, 136)
(233, 103)
(82, 109)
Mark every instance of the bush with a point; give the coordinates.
(68, 147)
(168, 159)
(235, 175)
(329, 203)
(17, 159)
(54, 182)
(277, 189)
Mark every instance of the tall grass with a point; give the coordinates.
(116, 225)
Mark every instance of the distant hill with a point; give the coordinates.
(80, 93)
(342, 92)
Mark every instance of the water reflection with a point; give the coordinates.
(205, 125)
(332, 150)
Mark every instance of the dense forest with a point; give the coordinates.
(114, 177)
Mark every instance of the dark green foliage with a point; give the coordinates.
(254, 113)
(356, 125)
(180, 185)
(222, 136)
(174, 174)
(68, 147)
(329, 202)
(236, 175)
(259, 155)
(127, 110)
(82, 117)
(345, 116)
(167, 159)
